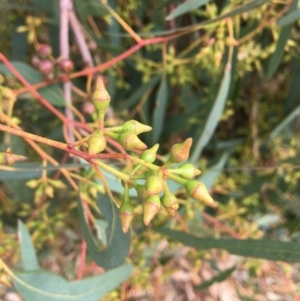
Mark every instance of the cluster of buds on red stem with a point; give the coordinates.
(148, 179)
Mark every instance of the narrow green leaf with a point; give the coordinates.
(289, 18)
(45, 286)
(241, 9)
(283, 38)
(215, 114)
(19, 43)
(29, 259)
(24, 7)
(285, 122)
(51, 93)
(219, 278)
(137, 95)
(265, 249)
(118, 243)
(160, 110)
(27, 171)
(185, 7)
(46, 5)
(294, 92)
(90, 8)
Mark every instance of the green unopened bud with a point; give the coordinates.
(151, 208)
(135, 127)
(8, 158)
(100, 98)
(198, 191)
(126, 214)
(96, 143)
(169, 201)
(187, 171)
(181, 151)
(149, 155)
(154, 185)
(141, 191)
(131, 141)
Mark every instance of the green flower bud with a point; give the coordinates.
(100, 98)
(154, 185)
(8, 158)
(131, 141)
(181, 151)
(126, 214)
(151, 207)
(188, 171)
(169, 201)
(149, 155)
(141, 191)
(135, 127)
(198, 191)
(96, 143)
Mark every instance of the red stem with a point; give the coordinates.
(42, 100)
(81, 260)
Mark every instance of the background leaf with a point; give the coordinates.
(51, 93)
(40, 285)
(160, 110)
(29, 259)
(289, 18)
(138, 93)
(262, 248)
(283, 38)
(185, 7)
(218, 278)
(215, 114)
(285, 122)
(118, 243)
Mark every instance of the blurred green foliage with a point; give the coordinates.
(227, 75)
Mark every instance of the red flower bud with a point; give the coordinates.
(35, 61)
(44, 51)
(46, 67)
(66, 66)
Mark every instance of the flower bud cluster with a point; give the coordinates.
(154, 192)
(50, 67)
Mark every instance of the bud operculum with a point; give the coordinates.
(154, 185)
(126, 214)
(96, 143)
(151, 208)
(149, 155)
(135, 127)
(100, 98)
(169, 201)
(8, 158)
(188, 171)
(181, 151)
(198, 191)
(131, 141)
